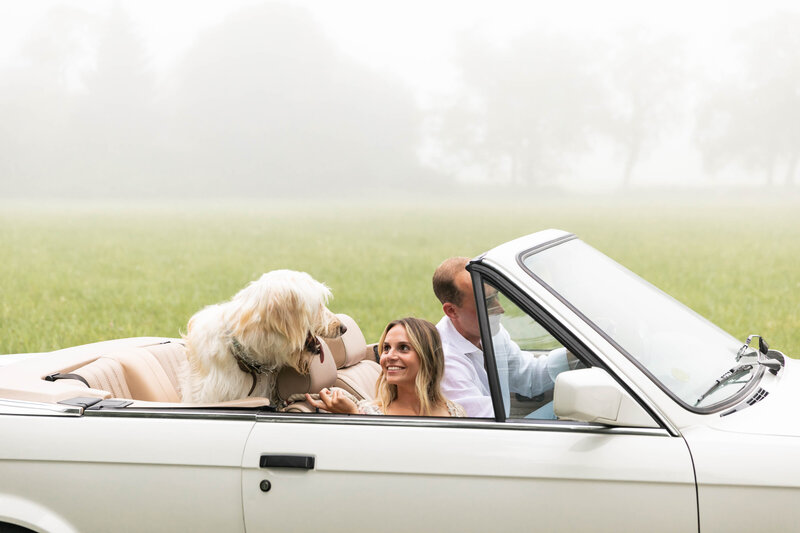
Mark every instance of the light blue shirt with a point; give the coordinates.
(465, 379)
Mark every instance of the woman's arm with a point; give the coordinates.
(334, 401)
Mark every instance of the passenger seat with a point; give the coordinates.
(357, 370)
(348, 364)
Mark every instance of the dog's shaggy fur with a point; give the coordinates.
(269, 321)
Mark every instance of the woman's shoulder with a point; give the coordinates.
(455, 409)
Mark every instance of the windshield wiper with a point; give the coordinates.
(724, 379)
(772, 359)
(763, 347)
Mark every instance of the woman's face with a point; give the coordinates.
(399, 361)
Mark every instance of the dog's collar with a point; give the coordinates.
(247, 364)
(250, 366)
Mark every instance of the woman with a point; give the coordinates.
(412, 364)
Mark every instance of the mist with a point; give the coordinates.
(326, 99)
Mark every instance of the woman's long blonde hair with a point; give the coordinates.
(424, 338)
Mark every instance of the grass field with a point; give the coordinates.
(77, 274)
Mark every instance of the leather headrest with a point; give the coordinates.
(321, 374)
(351, 347)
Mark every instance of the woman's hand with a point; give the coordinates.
(333, 401)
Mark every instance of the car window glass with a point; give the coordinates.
(528, 358)
(682, 350)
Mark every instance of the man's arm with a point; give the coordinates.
(527, 374)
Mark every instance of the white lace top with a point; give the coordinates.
(371, 407)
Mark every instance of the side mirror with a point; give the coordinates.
(592, 395)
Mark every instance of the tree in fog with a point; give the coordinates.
(754, 120)
(36, 104)
(263, 103)
(645, 81)
(523, 109)
(116, 126)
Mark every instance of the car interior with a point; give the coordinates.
(143, 372)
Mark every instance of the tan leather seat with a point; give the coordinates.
(106, 374)
(134, 373)
(143, 369)
(150, 372)
(171, 355)
(357, 370)
(147, 379)
(348, 364)
(290, 385)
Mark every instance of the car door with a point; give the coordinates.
(405, 474)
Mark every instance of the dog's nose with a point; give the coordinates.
(342, 329)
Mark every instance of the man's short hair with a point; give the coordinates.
(444, 280)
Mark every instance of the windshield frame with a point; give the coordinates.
(482, 274)
(734, 399)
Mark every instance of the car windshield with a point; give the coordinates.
(680, 349)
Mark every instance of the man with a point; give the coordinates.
(465, 379)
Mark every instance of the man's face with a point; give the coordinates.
(493, 305)
(466, 316)
(493, 308)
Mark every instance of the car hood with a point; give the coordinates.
(776, 413)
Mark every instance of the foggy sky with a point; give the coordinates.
(122, 99)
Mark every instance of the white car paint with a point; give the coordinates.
(396, 477)
(122, 473)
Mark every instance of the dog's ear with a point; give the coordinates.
(287, 314)
(312, 344)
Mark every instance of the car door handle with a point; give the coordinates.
(304, 462)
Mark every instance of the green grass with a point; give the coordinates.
(73, 275)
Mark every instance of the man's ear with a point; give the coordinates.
(450, 310)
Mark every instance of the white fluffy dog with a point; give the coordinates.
(238, 346)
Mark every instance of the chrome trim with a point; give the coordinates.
(450, 423)
(245, 413)
(22, 407)
(523, 255)
(15, 407)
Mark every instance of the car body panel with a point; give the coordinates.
(776, 414)
(745, 482)
(391, 477)
(110, 473)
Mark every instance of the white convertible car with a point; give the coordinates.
(663, 422)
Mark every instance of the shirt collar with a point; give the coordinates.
(456, 340)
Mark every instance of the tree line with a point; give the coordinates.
(264, 104)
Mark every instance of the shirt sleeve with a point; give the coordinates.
(527, 374)
(460, 384)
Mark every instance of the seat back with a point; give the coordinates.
(146, 373)
(357, 370)
(106, 373)
(171, 356)
(290, 385)
(348, 364)
(147, 379)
